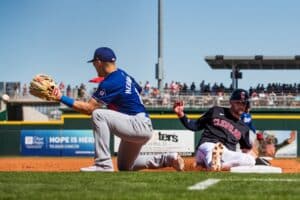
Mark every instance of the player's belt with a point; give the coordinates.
(146, 117)
(143, 114)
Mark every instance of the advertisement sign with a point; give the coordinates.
(279, 143)
(162, 141)
(57, 142)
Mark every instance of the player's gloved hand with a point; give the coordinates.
(259, 136)
(178, 108)
(43, 87)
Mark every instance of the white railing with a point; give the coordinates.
(202, 101)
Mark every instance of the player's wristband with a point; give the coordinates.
(67, 101)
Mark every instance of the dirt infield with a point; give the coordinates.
(66, 164)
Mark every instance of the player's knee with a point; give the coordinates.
(98, 115)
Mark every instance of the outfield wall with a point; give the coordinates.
(10, 131)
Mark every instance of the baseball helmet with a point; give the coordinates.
(240, 95)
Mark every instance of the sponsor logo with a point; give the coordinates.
(102, 92)
(34, 142)
(38, 140)
(28, 140)
(167, 137)
(227, 126)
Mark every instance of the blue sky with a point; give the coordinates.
(57, 37)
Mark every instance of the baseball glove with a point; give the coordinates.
(42, 86)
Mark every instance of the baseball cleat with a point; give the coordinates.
(178, 162)
(95, 168)
(217, 153)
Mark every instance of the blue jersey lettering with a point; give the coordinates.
(121, 92)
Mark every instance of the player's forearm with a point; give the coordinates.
(282, 144)
(189, 124)
(80, 106)
(83, 107)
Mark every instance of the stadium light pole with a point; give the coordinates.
(234, 77)
(159, 69)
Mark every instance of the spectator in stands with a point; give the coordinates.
(16, 90)
(75, 92)
(25, 91)
(69, 91)
(179, 87)
(184, 88)
(289, 99)
(166, 99)
(155, 92)
(193, 88)
(147, 88)
(221, 88)
(214, 89)
(62, 88)
(262, 94)
(208, 100)
(208, 88)
(173, 88)
(272, 99)
(202, 87)
(254, 98)
(166, 87)
(220, 97)
(82, 92)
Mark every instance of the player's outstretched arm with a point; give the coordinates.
(80, 106)
(187, 123)
(86, 107)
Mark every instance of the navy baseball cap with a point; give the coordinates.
(240, 95)
(104, 54)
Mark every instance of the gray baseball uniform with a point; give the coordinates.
(134, 132)
(127, 119)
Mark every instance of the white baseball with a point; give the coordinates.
(5, 97)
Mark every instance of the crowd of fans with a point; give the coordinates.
(178, 88)
(207, 93)
(202, 95)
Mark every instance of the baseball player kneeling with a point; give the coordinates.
(126, 117)
(222, 130)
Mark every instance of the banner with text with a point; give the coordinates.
(181, 141)
(57, 142)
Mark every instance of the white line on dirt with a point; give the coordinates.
(204, 184)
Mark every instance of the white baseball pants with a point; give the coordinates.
(229, 158)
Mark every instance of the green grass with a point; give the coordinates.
(146, 185)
